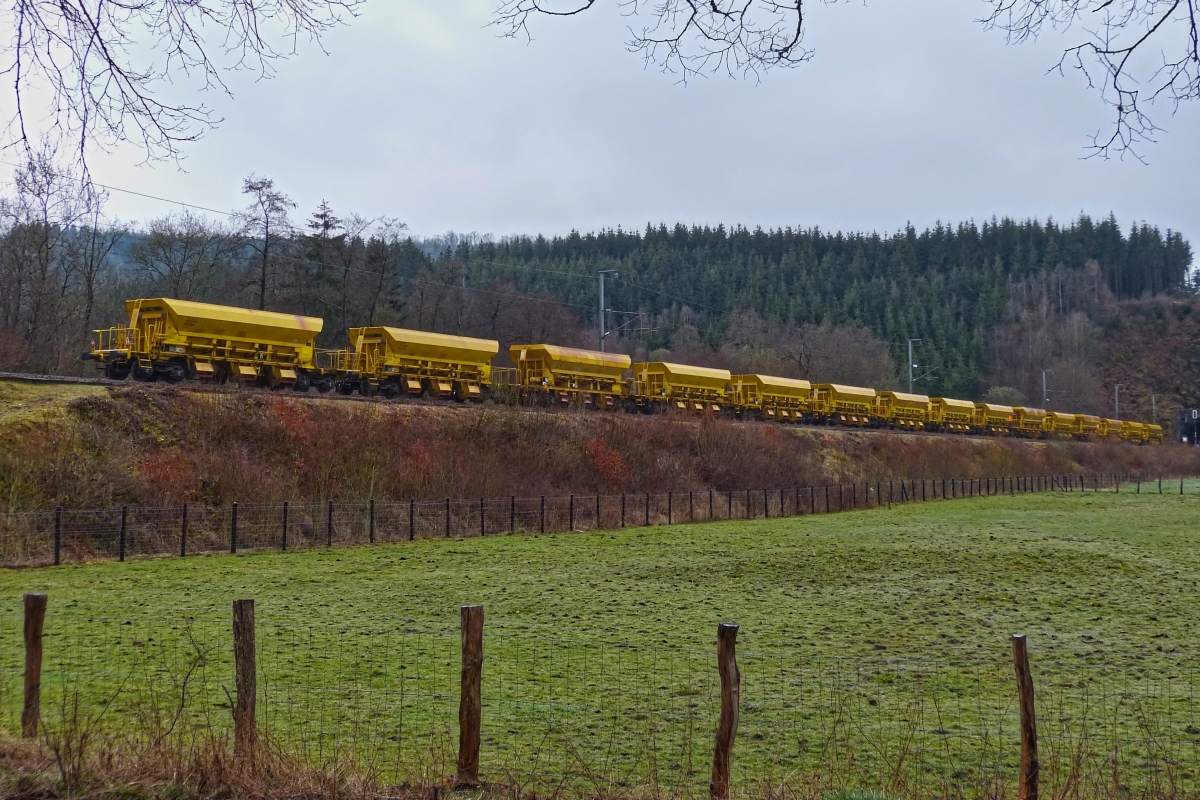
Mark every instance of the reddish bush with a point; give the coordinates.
(164, 445)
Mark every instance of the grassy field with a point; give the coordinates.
(863, 634)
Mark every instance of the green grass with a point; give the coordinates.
(855, 628)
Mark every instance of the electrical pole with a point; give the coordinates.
(1045, 394)
(600, 274)
(1117, 400)
(1154, 408)
(911, 364)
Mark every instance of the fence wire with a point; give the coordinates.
(594, 717)
(71, 536)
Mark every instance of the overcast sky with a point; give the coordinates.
(910, 111)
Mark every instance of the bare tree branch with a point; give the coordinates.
(690, 37)
(1133, 52)
(107, 65)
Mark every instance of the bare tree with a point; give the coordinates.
(186, 256)
(382, 260)
(108, 67)
(265, 223)
(1133, 52)
(691, 36)
(55, 248)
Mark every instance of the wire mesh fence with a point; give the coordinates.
(70, 536)
(594, 717)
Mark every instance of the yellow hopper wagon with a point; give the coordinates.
(772, 398)
(1154, 434)
(1134, 432)
(1060, 425)
(1087, 426)
(948, 414)
(1110, 429)
(659, 385)
(836, 404)
(992, 419)
(547, 374)
(396, 361)
(1030, 422)
(902, 411)
(174, 340)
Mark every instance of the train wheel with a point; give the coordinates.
(174, 373)
(116, 371)
(390, 390)
(344, 388)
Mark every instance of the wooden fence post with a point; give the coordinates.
(57, 535)
(371, 521)
(1027, 787)
(571, 513)
(329, 524)
(412, 519)
(542, 527)
(245, 672)
(512, 513)
(447, 517)
(35, 618)
(233, 529)
(482, 518)
(183, 533)
(121, 541)
(470, 701)
(718, 788)
(283, 539)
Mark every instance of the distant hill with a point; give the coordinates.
(957, 288)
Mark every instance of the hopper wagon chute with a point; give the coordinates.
(909, 412)
(1154, 434)
(773, 398)
(948, 414)
(174, 340)
(993, 419)
(397, 361)
(836, 404)
(546, 374)
(660, 385)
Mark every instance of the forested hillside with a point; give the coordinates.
(992, 303)
(997, 307)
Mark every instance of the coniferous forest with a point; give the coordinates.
(1028, 312)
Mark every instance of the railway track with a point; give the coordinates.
(315, 397)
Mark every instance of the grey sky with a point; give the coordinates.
(909, 112)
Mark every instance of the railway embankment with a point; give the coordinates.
(97, 446)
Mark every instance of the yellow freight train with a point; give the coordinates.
(175, 340)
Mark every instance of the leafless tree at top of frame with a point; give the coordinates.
(1133, 52)
(691, 37)
(106, 65)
